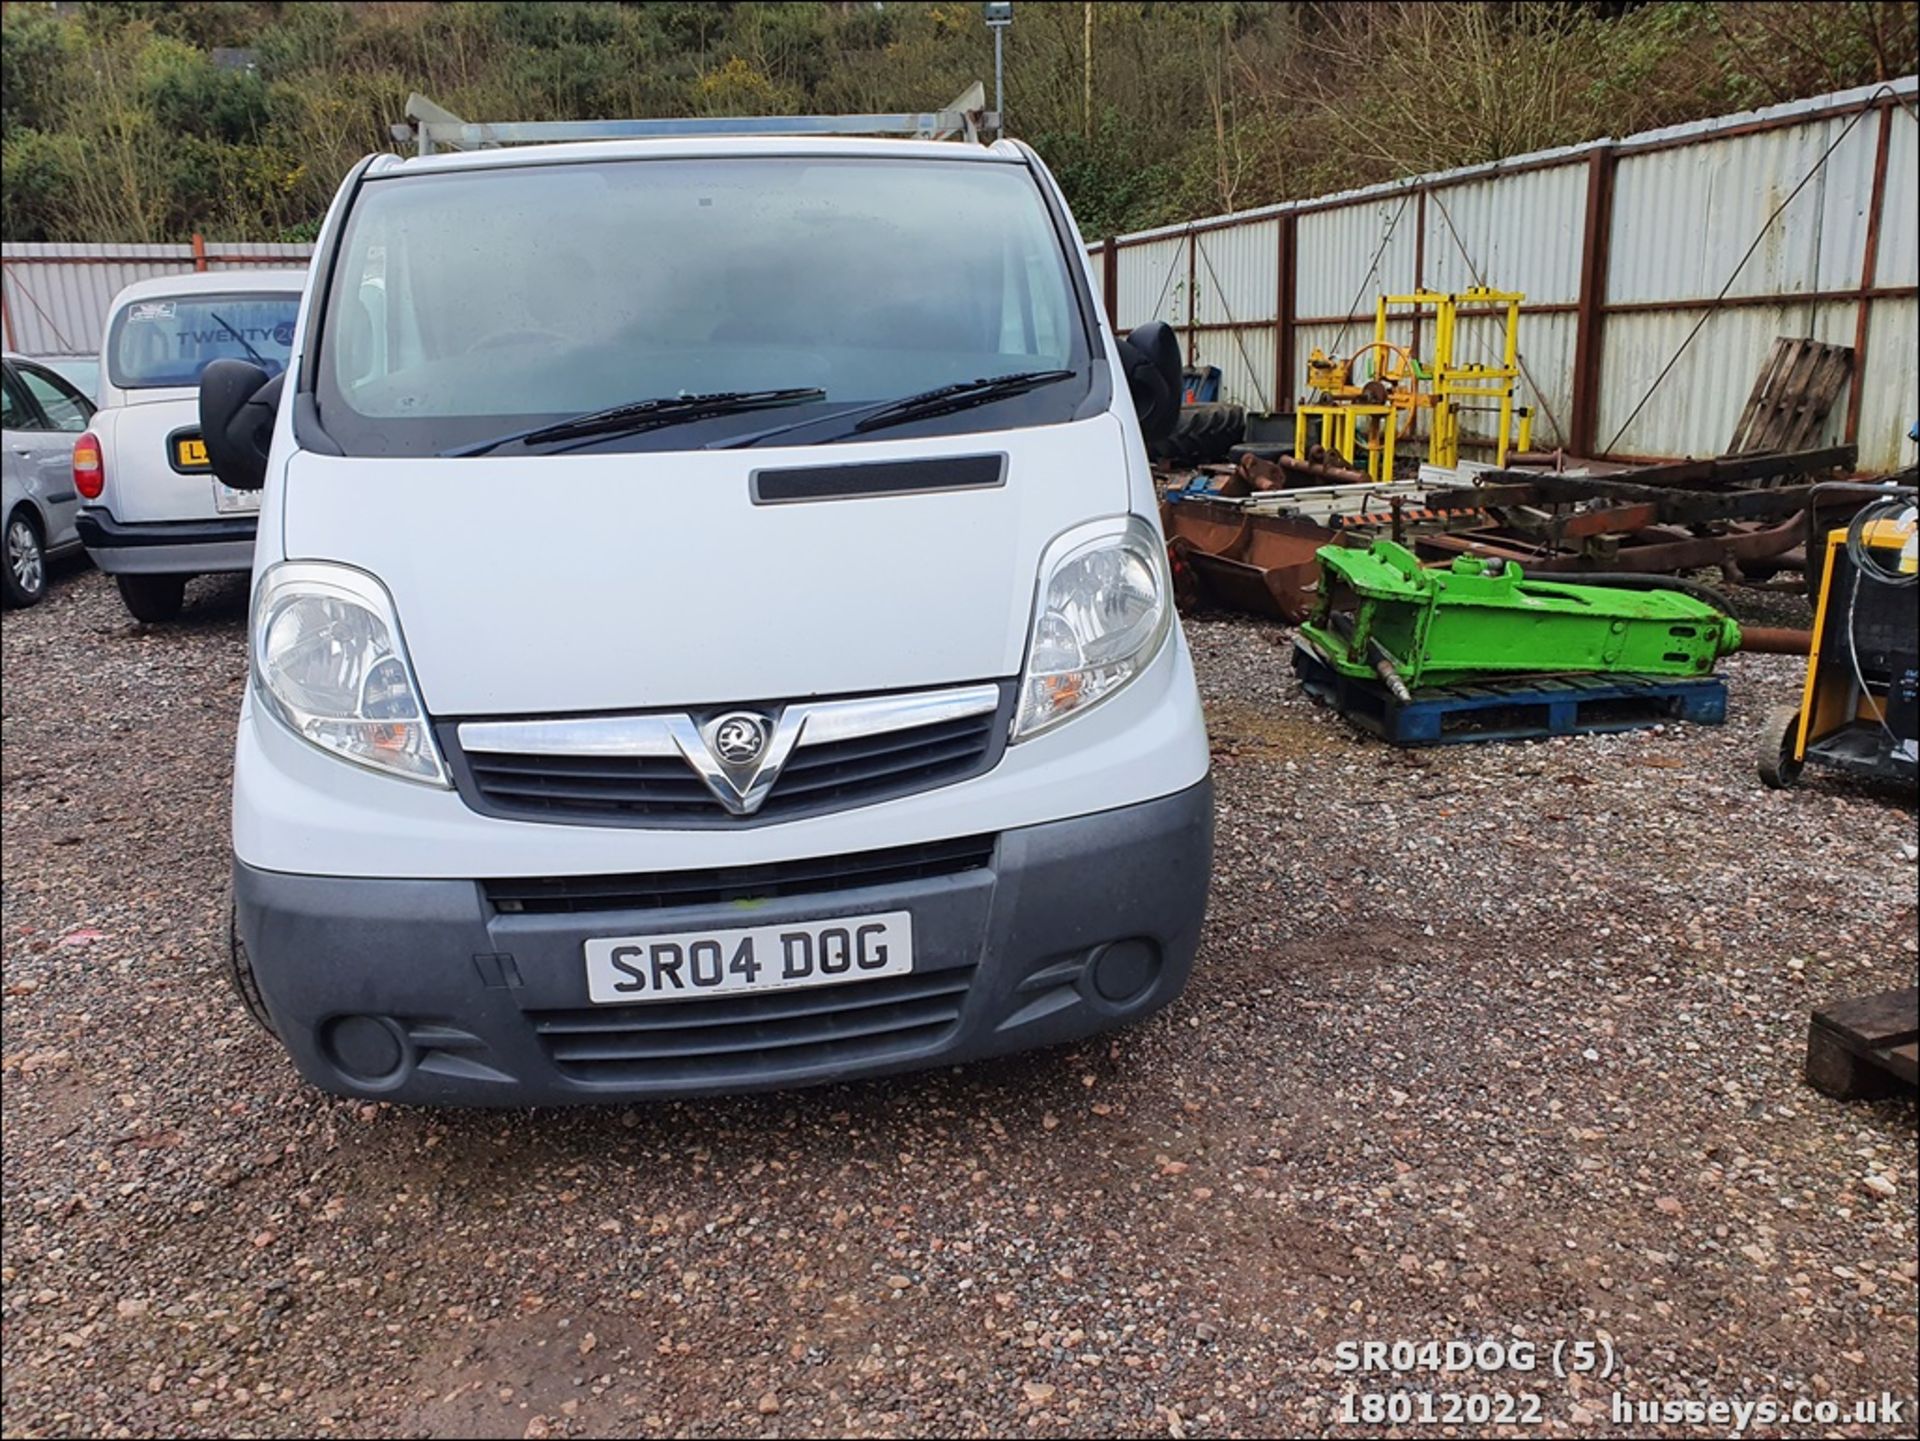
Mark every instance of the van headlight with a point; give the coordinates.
(1099, 616)
(328, 661)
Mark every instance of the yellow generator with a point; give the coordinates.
(1858, 710)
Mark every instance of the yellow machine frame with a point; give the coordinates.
(1340, 432)
(1455, 382)
(1829, 700)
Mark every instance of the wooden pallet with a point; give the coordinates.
(1525, 709)
(1866, 1047)
(1795, 390)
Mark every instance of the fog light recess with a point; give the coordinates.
(1124, 971)
(368, 1050)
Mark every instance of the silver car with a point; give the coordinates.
(81, 371)
(44, 415)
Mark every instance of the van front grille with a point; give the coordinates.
(732, 1040)
(665, 790)
(818, 875)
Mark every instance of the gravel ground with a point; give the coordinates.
(1490, 1042)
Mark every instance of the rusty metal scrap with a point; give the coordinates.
(1657, 550)
(1743, 513)
(1734, 511)
(1244, 560)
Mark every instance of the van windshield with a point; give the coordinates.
(468, 302)
(169, 340)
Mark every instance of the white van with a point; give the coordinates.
(152, 514)
(710, 628)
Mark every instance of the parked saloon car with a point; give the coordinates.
(153, 516)
(38, 504)
(80, 371)
(845, 728)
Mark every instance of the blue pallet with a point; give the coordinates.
(1521, 709)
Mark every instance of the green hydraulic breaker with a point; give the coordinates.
(1382, 615)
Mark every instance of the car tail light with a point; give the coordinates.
(89, 475)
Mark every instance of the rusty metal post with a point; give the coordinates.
(1283, 371)
(1594, 237)
(1110, 284)
(1193, 316)
(199, 251)
(1869, 262)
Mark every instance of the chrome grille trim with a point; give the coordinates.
(658, 733)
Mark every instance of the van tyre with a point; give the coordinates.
(153, 598)
(1205, 433)
(240, 976)
(23, 578)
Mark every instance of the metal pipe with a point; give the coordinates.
(1338, 475)
(1775, 640)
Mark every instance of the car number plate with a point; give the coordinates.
(689, 965)
(227, 500)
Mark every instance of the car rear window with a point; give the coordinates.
(169, 340)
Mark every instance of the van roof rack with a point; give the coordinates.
(435, 128)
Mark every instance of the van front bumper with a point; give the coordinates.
(168, 547)
(424, 991)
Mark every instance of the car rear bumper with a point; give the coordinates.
(168, 547)
(426, 991)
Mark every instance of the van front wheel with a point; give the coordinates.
(240, 975)
(153, 598)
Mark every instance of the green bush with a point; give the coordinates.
(40, 172)
(187, 94)
(34, 57)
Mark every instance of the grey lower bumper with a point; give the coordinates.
(168, 547)
(421, 991)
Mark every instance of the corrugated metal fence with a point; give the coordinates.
(54, 298)
(1621, 247)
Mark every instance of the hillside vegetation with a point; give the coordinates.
(131, 122)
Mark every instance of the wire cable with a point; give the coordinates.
(1166, 284)
(1866, 108)
(1373, 267)
(1486, 351)
(1219, 289)
(1897, 509)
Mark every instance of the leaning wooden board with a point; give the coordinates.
(1865, 1047)
(1795, 390)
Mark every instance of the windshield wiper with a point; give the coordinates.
(941, 400)
(234, 330)
(639, 415)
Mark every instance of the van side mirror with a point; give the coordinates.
(237, 405)
(1151, 356)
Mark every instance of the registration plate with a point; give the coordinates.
(690, 965)
(226, 499)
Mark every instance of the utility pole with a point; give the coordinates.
(999, 21)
